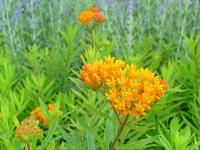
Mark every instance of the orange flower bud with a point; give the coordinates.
(164, 82)
(39, 116)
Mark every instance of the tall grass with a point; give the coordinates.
(30, 22)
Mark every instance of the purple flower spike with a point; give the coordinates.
(1, 28)
(17, 14)
(24, 2)
(131, 7)
(19, 9)
(37, 3)
(111, 2)
(160, 10)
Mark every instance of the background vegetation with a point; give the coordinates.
(42, 49)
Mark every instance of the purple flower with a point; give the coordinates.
(37, 3)
(138, 5)
(17, 14)
(19, 9)
(25, 2)
(160, 10)
(131, 7)
(1, 23)
(111, 1)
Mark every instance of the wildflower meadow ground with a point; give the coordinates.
(99, 75)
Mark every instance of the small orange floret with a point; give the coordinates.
(86, 17)
(39, 116)
(165, 84)
(51, 107)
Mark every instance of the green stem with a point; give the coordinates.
(118, 134)
(92, 38)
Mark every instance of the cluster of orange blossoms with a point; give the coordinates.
(129, 90)
(96, 74)
(37, 113)
(91, 15)
(28, 131)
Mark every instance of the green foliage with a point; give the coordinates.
(41, 54)
(176, 137)
(189, 79)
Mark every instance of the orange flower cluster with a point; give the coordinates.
(129, 90)
(28, 131)
(96, 74)
(134, 91)
(37, 112)
(90, 15)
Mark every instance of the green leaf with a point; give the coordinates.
(51, 145)
(90, 141)
(108, 134)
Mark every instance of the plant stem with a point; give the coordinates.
(29, 146)
(117, 116)
(130, 121)
(92, 38)
(119, 133)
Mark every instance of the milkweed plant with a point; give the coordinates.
(129, 90)
(116, 75)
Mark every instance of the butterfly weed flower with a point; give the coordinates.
(98, 17)
(39, 115)
(91, 15)
(128, 89)
(134, 91)
(51, 107)
(86, 17)
(28, 131)
(90, 18)
(96, 74)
